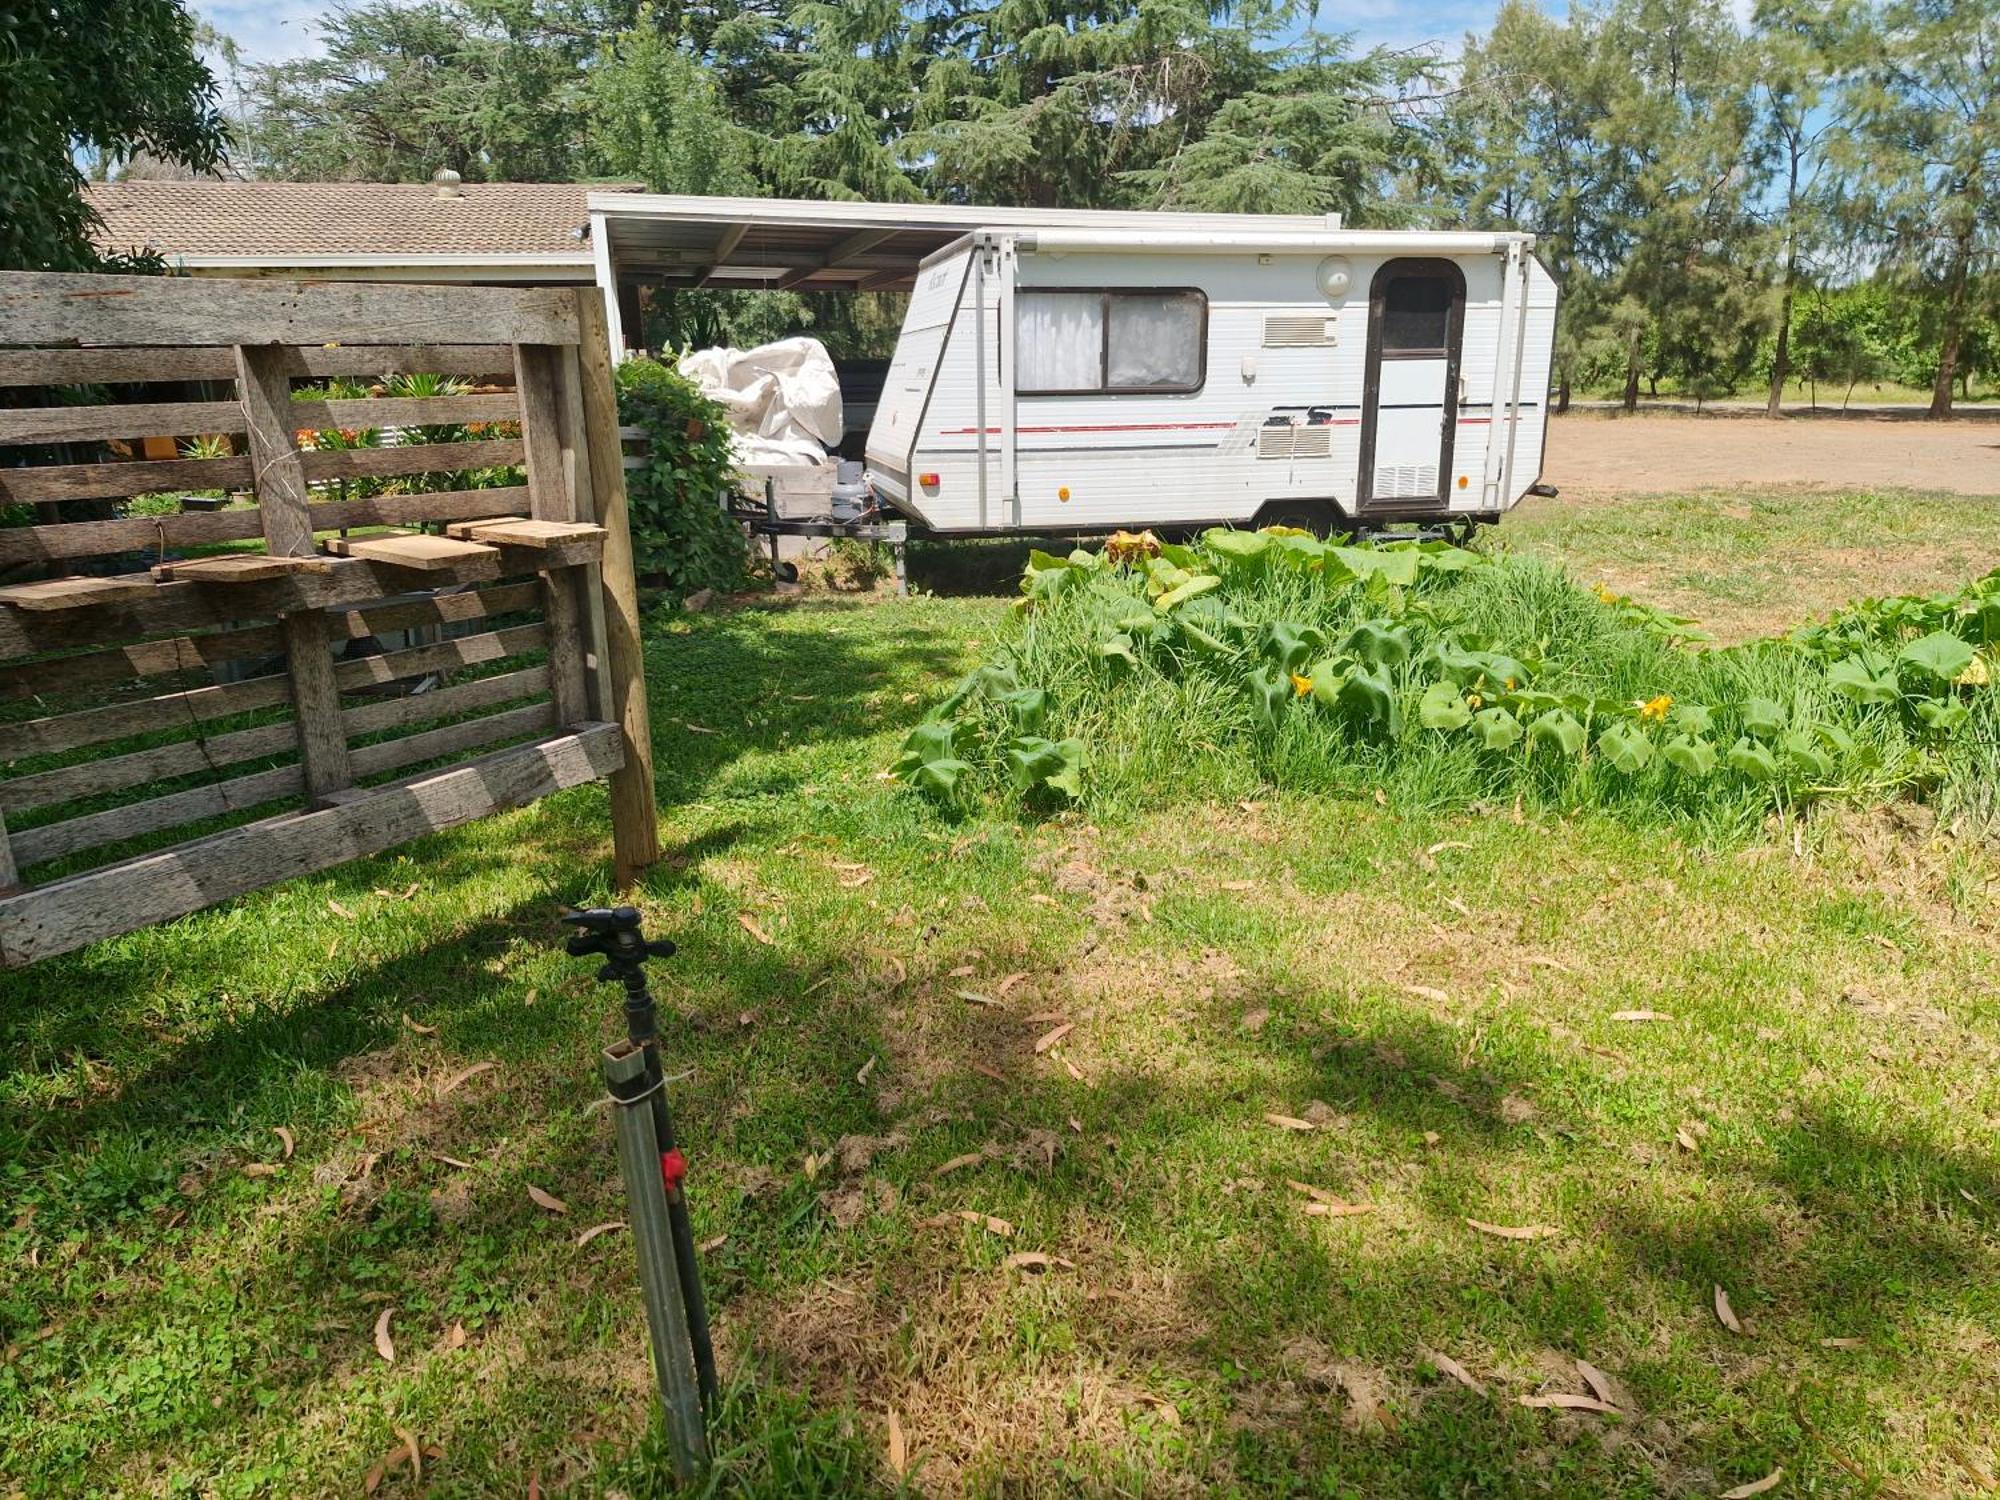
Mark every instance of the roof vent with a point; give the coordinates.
(446, 182)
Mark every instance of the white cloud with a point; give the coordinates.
(266, 30)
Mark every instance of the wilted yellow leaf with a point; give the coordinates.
(1288, 1122)
(866, 1069)
(338, 910)
(899, 1448)
(259, 1169)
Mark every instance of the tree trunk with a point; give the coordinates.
(1562, 394)
(1954, 330)
(1631, 388)
(1781, 357)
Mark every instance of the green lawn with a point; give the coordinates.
(1812, 1124)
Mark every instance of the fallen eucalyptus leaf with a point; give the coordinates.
(866, 1069)
(460, 1077)
(419, 1029)
(1446, 1365)
(749, 925)
(1640, 1015)
(548, 1201)
(259, 1169)
(1725, 1314)
(1288, 1122)
(1755, 1487)
(1567, 1402)
(595, 1230)
(1515, 1231)
(1048, 1039)
(970, 1159)
(1001, 989)
(1035, 1260)
(1599, 1382)
(384, 1345)
(285, 1137)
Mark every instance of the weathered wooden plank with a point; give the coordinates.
(156, 763)
(634, 817)
(107, 481)
(515, 532)
(117, 721)
(32, 846)
(285, 505)
(407, 411)
(551, 498)
(111, 366)
(450, 739)
(170, 607)
(465, 651)
(583, 505)
(71, 539)
(190, 757)
(327, 464)
(186, 653)
(83, 592)
(237, 567)
(82, 424)
(10, 873)
(158, 887)
(59, 308)
(200, 652)
(422, 554)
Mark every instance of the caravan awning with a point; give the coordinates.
(784, 244)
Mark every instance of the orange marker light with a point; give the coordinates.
(1462, 481)
(1063, 493)
(929, 481)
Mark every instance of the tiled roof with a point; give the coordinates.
(346, 219)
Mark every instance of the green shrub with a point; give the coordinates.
(1445, 677)
(678, 525)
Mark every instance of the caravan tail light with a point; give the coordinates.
(928, 481)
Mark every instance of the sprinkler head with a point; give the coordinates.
(613, 931)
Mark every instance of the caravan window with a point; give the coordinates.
(1076, 343)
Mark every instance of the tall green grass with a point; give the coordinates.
(1180, 723)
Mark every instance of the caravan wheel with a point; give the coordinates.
(1320, 517)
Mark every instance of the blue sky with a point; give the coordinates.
(268, 30)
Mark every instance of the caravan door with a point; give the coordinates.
(1410, 390)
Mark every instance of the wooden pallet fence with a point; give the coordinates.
(418, 607)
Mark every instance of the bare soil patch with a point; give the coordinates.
(1598, 455)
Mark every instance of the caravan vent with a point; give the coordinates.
(1293, 331)
(1295, 442)
(1407, 482)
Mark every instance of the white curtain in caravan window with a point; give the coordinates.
(1059, 341)
(1155, 340)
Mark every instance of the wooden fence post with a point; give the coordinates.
(552, 497)
(284, 505)
(635, 826)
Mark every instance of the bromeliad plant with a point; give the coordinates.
(1285, 658)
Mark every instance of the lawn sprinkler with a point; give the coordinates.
(654, 1170)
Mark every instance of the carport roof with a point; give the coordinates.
(781, 244)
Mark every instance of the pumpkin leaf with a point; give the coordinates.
(1940, 656)
(1689, 755)
(1625, 748)
(1442, 708)
(1497, 729)
(1753, 760)
(1558, 728)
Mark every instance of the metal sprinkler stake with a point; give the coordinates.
(669, 1275)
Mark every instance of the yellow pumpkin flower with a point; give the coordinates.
(1604, 595)
(1301, 685)
(1473, 700)
(1655, 708)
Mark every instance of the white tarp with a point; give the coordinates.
(783, 400)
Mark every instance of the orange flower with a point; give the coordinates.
(1655, 708)
(1301, 685)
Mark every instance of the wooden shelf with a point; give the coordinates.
(73, 593)
(419, 553)
(240, 567)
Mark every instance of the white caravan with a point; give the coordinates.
(1085, 379)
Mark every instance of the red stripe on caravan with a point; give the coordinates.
(1101, 427)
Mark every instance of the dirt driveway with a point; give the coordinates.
(1639, 455)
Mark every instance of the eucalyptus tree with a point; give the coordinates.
(1926, 162)
(1800, 121)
